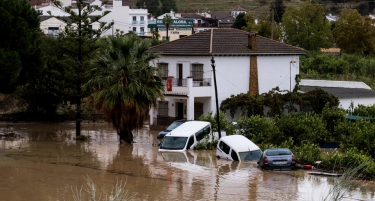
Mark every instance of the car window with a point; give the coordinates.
(234, 155)
(250, 155)
(200, 135)
(170, 142)
(207, 130)
(190, 142)
(224, 147)
(174, 125)
(277, 152)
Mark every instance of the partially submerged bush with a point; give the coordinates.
(307, 153)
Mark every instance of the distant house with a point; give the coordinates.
(346, 91)
(245, 63)
(51, 25)
(237, 11)
(224, 19)
(121, 14)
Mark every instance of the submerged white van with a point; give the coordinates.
(186, 136)
(238, 148)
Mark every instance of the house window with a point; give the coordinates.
(135, 29)
(163, 109)
(54, 31)
(142, 30)
(134, 18)
(197, 72)
(163, 70)
(198, 110)
(142, 18)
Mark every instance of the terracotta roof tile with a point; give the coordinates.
(226, 41)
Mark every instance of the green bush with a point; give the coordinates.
(359, 134)
(301, 127)
(365, 111)
(225, 125)
(349, 159)
(257, 128)
(332, 117)
(206, 145)
(307, 153)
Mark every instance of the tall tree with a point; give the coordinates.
(279, 10)
(307, 27)
(167, 21)
(43, 93)
(250, 23)
(352, 34)
(20, 51)
(124, 85)
(240, 21)
(80, 46)
(264, 29)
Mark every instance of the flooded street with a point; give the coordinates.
(48, 164)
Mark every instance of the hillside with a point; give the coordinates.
(261, 8)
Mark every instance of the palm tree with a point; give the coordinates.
(167, 21)
(123, 84)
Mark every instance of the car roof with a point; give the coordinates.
(277, 149)
(239, 143)
(188, 128)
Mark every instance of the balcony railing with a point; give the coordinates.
(142, 22)
(134, 22)
(202, 83)
(176, 82)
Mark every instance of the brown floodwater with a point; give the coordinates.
(48, 164)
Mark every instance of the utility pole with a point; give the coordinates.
(217, 102)
(273, 13)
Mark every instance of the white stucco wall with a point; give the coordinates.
(232, 74)
(52, 22)
(345, 102)
(277, 71)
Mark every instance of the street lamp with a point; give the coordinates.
(217, 102)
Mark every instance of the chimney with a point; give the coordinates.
(252, 41)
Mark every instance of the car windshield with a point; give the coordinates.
(174, 125)
(278, 152)
(250, 155)
(170, 142)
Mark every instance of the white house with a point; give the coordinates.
(124, 18)
(245, 63)
(51, 25)
(346, 91)
(237, 11)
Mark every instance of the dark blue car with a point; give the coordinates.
(170, 128)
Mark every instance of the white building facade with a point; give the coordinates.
(124, 18)
(239, 69)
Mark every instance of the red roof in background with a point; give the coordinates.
(239, 9)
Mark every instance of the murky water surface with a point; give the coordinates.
(48, 164)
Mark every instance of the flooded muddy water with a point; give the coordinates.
(48, 164)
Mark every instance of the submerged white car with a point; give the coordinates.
(186, 136)
(237, 148)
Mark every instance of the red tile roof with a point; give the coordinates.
(239, 9)
(225, 41)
